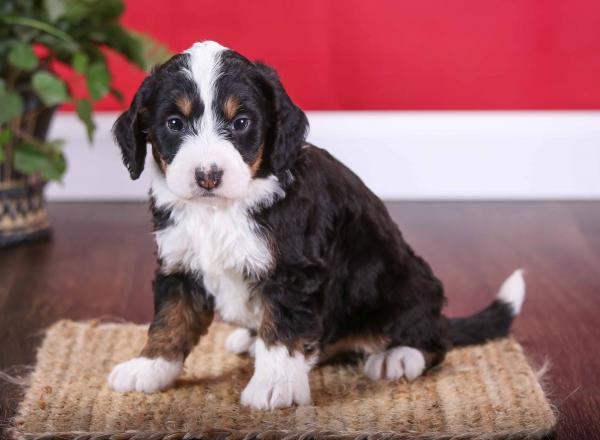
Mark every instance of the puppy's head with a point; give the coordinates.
(215, 122)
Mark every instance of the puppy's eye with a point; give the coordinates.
(240, 124)
(175, 124)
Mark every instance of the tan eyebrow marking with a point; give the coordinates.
(185, 106)
(231, 106)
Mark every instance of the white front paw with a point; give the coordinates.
(280, 379)
(240, 341)
(144, 374)
(266, 393)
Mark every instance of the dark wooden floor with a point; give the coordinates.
(100, 263)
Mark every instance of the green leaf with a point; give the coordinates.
(110, 9)
(139, 48)
(22, 57)
(154, 53)
(80, 62)
(104, 10)
(5, 136)
(98, 80)
(50, 88)
(55, 9)
(55, 146)
(76, 10)
(51, 164)
(84, 112)
(12, 106)
(57, 169)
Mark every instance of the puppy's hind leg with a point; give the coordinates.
(410, 356)
(182, 314)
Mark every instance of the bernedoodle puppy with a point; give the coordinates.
(276, 236)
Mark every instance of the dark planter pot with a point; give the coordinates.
(23, 214)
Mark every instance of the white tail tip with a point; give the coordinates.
(512, 291)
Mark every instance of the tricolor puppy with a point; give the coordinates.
(277, 237)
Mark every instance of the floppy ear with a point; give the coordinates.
(131, 134)
(289, 124)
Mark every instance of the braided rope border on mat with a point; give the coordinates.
(225, 434)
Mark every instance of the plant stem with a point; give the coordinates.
(31, 118)
(29, 137)
(41, 26)
(11, 77)
(5, 148)
(9, 150)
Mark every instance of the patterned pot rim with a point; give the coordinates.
(23, 214)
(21, 186)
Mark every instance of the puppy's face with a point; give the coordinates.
(215, 122)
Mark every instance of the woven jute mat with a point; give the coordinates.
(481, 392)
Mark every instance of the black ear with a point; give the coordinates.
(289, 125)
(131, 134)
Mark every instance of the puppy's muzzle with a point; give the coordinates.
(209, 179)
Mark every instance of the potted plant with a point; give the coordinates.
(39, 39)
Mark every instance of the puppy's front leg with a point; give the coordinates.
(283, 359)
(183, 313)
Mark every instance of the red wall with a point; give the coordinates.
(396, 54)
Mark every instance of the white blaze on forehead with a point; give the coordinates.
(203, 58)
(205, 67)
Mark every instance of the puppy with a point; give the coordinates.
(276, 236)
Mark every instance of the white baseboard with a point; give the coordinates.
(400, 155)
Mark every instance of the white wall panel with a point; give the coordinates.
(400, 155)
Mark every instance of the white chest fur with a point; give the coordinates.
(222, 244)
(219, 242)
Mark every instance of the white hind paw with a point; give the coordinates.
(240, 341)
(395, 363)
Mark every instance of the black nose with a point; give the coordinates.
(209, 179)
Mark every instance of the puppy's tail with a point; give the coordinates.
(494, 321)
